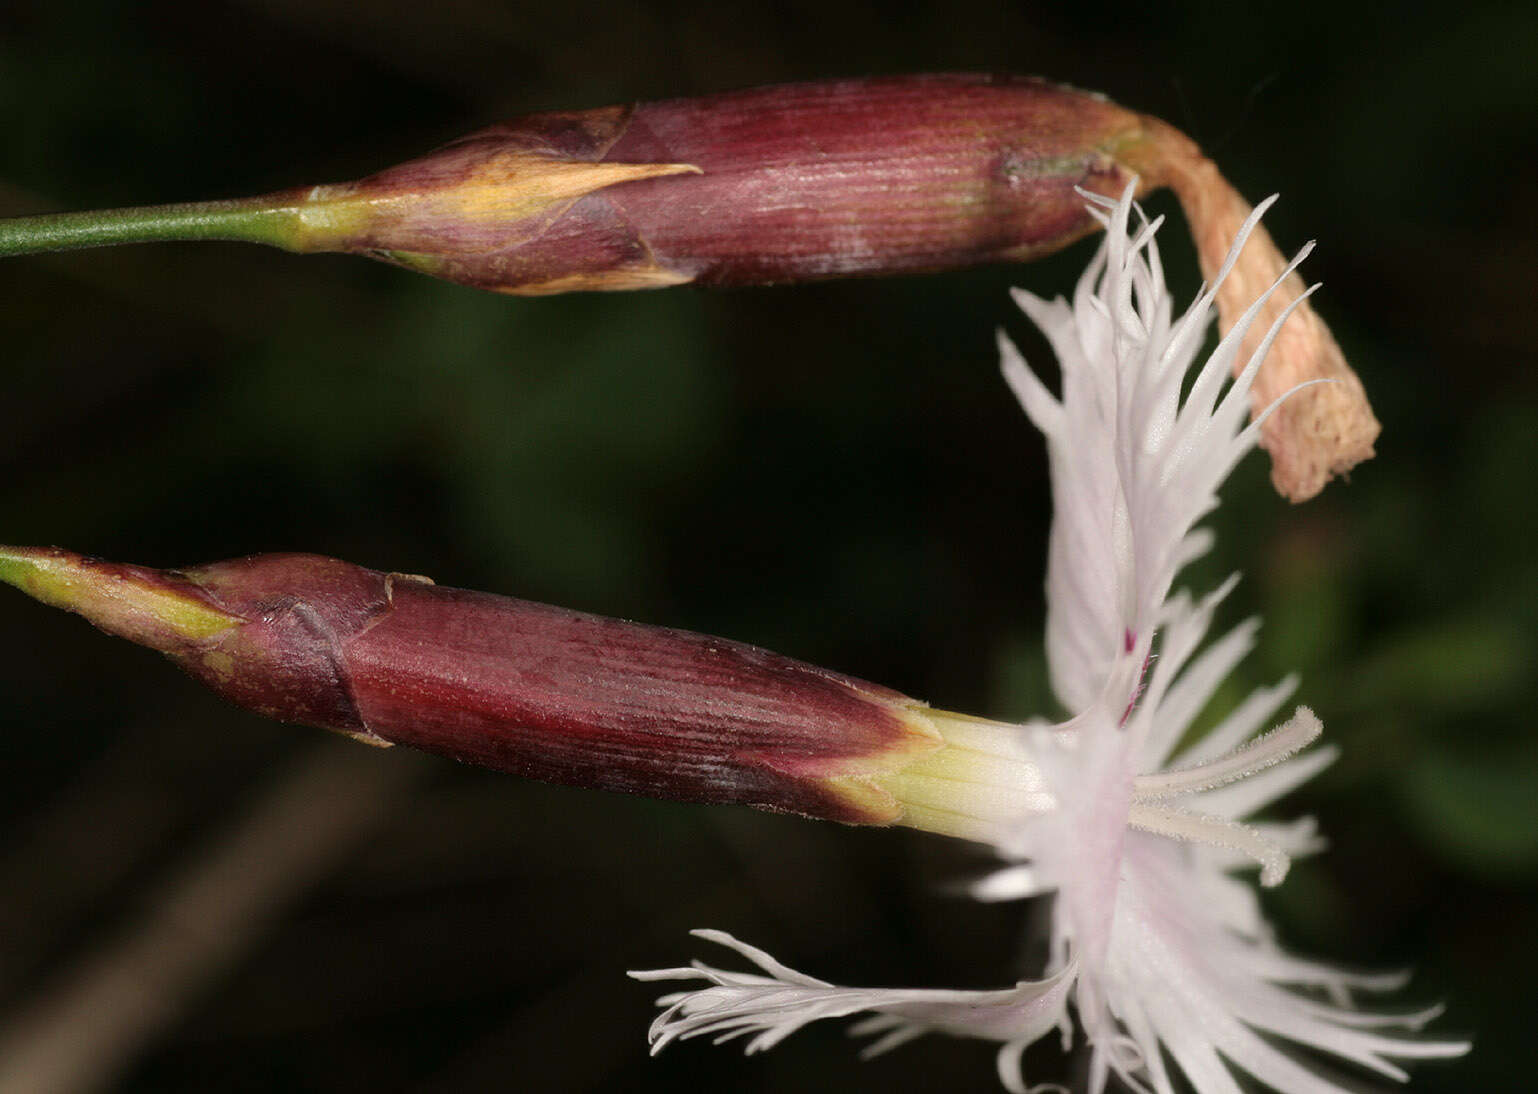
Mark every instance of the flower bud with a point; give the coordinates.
(525, 688)
(773, 184)
(776, 184)
(784, 184)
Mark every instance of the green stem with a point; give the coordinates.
(273, 219)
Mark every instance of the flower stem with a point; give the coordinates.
(270, 219)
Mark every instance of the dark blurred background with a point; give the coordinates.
(195, 899)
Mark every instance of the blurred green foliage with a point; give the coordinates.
(834, 471)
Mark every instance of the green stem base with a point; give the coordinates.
(273, 219)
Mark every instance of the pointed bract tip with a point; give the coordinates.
(152, 607)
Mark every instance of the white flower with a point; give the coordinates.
(1163, 953)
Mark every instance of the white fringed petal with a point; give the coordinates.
(771, 1007)
(1133, 466)
(1018, 882)
(1165, 953)
(1204, 987)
